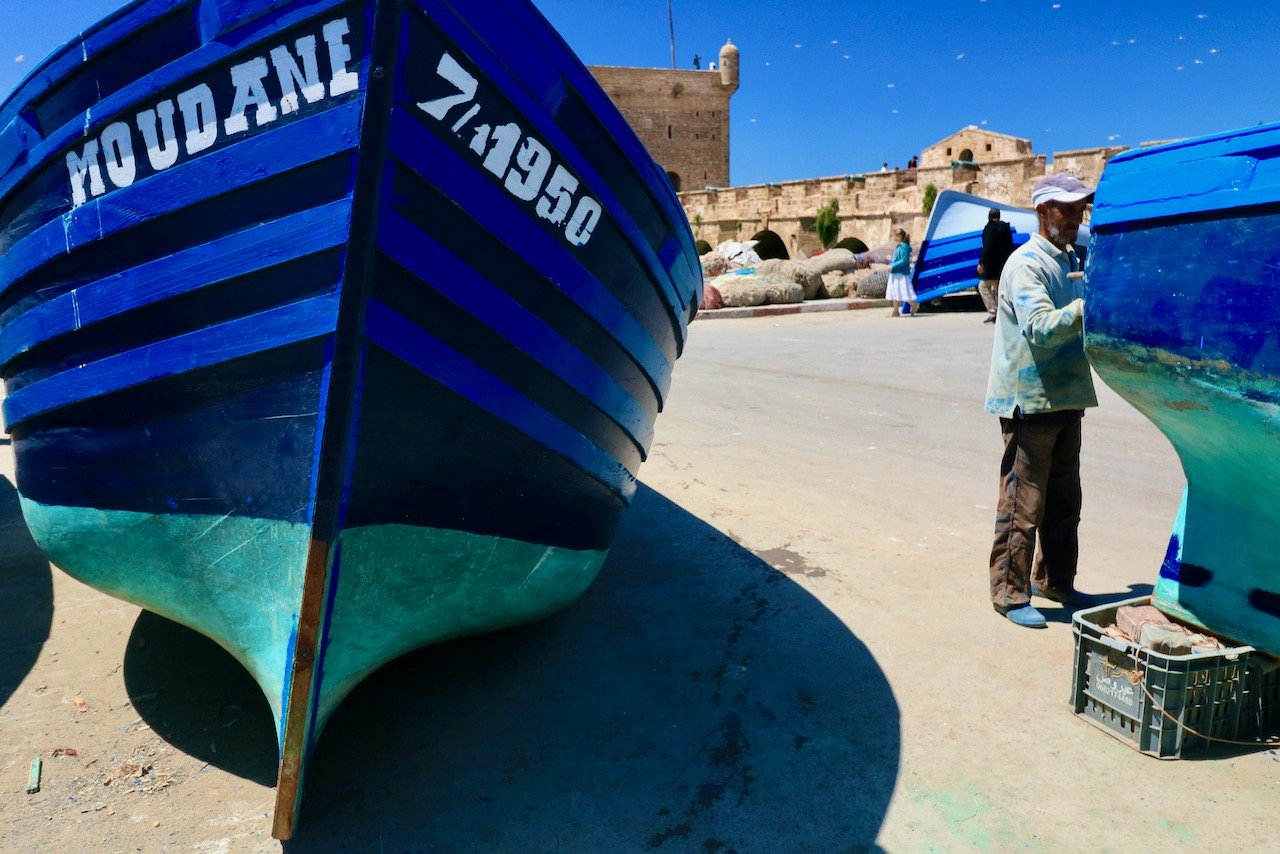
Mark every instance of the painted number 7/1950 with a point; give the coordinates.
(525, 166)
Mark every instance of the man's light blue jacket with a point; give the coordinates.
(1037, 361)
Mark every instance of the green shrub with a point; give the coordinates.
(930, 196)
(827, 223)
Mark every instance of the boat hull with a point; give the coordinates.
(948, 257)
(334, 330)
(1181, 320)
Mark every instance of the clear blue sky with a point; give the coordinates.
(830, 88)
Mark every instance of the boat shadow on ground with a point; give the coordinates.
(26, 586)
(196, 696)
(694, 699)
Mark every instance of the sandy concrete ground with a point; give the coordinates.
(790, 649)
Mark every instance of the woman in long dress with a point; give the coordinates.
(900, 289)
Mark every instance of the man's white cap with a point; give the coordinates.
(1059, 188)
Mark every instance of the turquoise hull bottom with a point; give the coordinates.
(1221, 570)
(239, 581)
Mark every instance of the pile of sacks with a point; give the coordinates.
(735, 276)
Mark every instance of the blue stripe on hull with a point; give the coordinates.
(214, 345)
(215, 263)
(236, 439)
(1224, 174)
(546, 377)
(563, 297)
(425, 44)
(623, 306)
(507, 324)
(446, 366)
(428, 455)
(181, 187)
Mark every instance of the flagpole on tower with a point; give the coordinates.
(671, 22)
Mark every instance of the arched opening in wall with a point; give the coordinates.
(675, 180)
(770, 245)
(853, 244)
(967, 155)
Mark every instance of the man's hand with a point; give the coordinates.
(980, 270)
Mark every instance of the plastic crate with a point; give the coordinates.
(1162, 705)
(1262, 696)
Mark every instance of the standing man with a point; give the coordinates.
(1040, 385)
(997, 246)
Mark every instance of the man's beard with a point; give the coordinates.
(1055, 234)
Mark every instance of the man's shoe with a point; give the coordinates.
(1071, 598)
(991, 318)
(1022, 615)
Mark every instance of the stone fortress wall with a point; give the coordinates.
(875, 204)
(682, 117)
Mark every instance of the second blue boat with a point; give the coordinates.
(1181, 319)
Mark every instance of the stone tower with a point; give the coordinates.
(729, 67)
(682, 117)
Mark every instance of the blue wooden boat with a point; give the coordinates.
(1182, 320)
(948, 257)
(331, 329)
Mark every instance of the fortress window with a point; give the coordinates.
(988, 146)
(668, 131)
